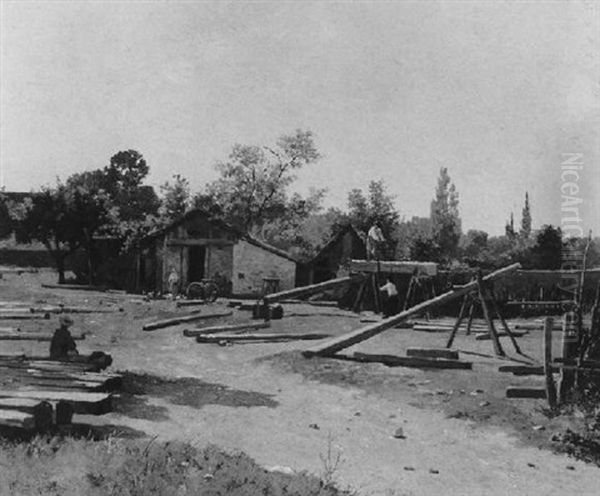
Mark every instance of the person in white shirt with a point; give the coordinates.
(390, 304)
(375, 240)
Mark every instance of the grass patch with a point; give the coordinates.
(118, 467)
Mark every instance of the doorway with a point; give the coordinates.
(197, 258)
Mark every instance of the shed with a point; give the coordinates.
(199, 247)
(344, 246)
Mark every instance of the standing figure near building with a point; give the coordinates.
(62, 346)
(173, 282)
(390, 305)
(375, 242)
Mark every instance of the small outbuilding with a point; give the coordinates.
(197, 247)
(346, 245)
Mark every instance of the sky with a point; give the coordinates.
(497, 92)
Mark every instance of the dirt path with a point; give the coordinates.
(295, 433)
(281, 418)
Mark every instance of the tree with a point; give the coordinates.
(377, 207)
(122, 180)
(526, 219)
(252, 189)
(175, 198)
(509, 228)
(475, 243)
(445, 218)
(547, 251)
(47, 218)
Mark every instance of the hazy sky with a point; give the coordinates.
(495, 91)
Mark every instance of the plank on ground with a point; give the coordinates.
(151, 326)
(340, 342)
(412, 361)
(484, 336)
(33, 336)
(225, 328)
(23, 316)
(215, 338)
(432, 353)
(41, 411)
(526, 392)
(82, 402)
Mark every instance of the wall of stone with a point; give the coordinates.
(251, 264)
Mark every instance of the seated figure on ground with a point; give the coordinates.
(62, 346)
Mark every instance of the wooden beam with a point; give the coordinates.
(433, 353)
(487, 315)
(80, 287)
(312, 288)
(215, 338)
(190, 303)
(151, 326)
(522, 369)
(225, 328)
(485, 336)
(15, 418)
(417, 362)
(340, 342)
(33, 336)
(393, 267)
(550, 385)
(526, 392)
(23, 316)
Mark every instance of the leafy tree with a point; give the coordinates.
(252, 189)
(475, 243)
(445, 218)
(377, 206)
(424, 249)
(526, 218)
(509, 228)
(175, 198)
(48, 218)
(547, 251)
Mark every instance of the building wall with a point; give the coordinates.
(251, 264)
(219, 260)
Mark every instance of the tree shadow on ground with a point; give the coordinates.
(75, 431)
(187, 391)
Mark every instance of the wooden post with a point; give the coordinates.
(471, 314)
(359, 296)
(409, 292)
(375, 293)
(488, 318)
(550, 386)
(569, 352)
(502, 321)
(459, 320)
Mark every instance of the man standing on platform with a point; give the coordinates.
(375, 242)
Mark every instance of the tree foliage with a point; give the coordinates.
(525, 231)
(445, 218)
(377, 206)
(176, 198)
(252, 188)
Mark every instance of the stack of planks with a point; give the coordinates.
(37, 393)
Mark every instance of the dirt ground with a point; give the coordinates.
(462, 436)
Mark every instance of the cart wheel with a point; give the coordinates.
(195, 290)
